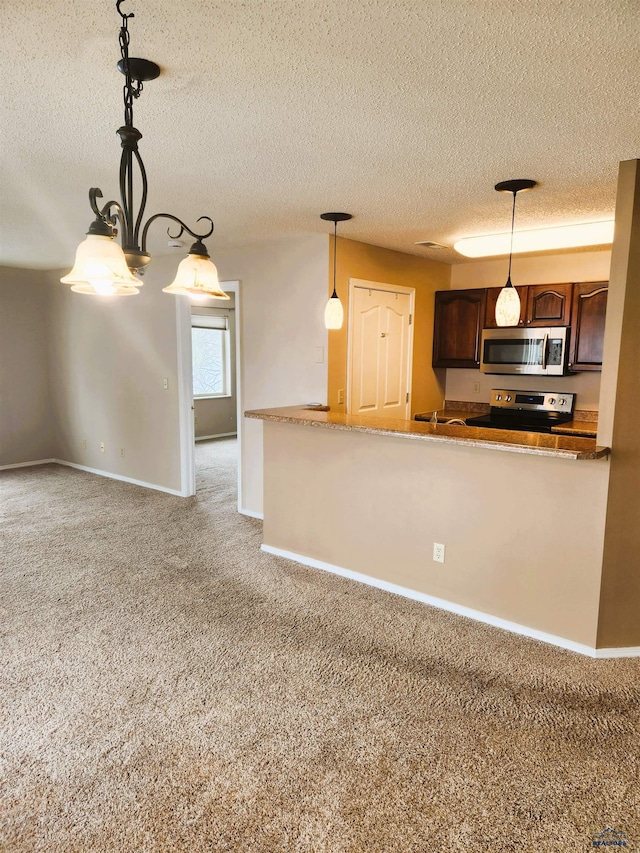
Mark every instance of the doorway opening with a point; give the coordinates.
(210, 392)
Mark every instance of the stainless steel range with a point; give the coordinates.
(531, 411)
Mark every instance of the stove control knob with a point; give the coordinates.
(508, 398)
(552, 401)
(498, 396)
(561, 401)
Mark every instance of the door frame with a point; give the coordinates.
(185, 391)
(388, 288)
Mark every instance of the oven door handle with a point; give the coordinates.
(545, 344)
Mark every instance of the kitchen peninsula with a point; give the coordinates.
(521, 515)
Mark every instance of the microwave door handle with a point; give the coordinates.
(545, 344)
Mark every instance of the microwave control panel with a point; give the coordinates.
(534, 401)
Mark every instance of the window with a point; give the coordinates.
(210, 355)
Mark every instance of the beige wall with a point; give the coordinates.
(371, 263)
(27, 428)
(618, 425)
(110, 358)
(547, 269)
(523, 534)
(215, 416)
(282, 297)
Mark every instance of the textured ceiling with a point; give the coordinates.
(268, 112)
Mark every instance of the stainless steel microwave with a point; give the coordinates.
(542, 351)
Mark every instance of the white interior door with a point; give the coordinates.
(380, 349)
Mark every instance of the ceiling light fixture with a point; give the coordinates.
(334, 313)
(555, 238)
(102, 267)
(508, 302)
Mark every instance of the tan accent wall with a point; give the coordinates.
(372, 263)
(619, 422)
(523, 534)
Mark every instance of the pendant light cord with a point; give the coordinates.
(513, 219)
(334, 295)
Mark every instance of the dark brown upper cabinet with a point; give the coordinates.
(549, 304)
(490, 309)
(587, 325)
(458, 321)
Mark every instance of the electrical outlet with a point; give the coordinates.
(122, 451)
(84, 443)
(438, 552)
(476, 387)
(195, 420)
(102, 447)
(341, 395)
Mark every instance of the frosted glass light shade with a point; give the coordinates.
(197, 276)
(101, 269)
(508, 306)
(333, 314)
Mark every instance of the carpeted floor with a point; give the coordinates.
(168, 687)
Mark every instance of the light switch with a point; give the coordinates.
(319, 355)
(165, 383)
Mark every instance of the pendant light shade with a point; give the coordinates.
(334, 312)
(100, 269)
(508, 306)
(197, 276)
(508, 302)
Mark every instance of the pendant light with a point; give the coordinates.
(102, 267)
(334, 313)
(508, 302)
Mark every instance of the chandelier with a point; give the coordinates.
(104, 268)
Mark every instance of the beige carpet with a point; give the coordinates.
(168, 687)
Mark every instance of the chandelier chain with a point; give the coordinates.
(131, 89)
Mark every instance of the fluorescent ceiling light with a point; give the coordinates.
(538, 240)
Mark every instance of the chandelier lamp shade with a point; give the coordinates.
(102, 266)
(508, 302)
(334, 312)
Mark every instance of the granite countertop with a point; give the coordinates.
(541, 444)
(577, 427)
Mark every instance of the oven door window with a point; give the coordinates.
(524, 351)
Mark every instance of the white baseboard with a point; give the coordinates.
(624, 652)
(251, 513)
(217, 435)
(27, 464)
(458, 609)
(111, 476)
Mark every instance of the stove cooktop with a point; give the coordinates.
(528, 411)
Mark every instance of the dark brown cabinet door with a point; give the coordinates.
(587, 325)
(459, 316)
(549, 304)
(490, 309)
